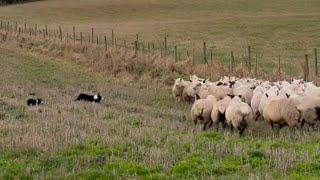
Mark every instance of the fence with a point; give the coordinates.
(249, 59)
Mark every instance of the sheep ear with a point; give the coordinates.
(267, 95)
(288, 95)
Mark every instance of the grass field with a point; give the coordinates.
(286, 24)
(139, 131)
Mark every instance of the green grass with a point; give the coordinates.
(138, 131)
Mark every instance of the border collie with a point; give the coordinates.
(33, 102)
(90, 98)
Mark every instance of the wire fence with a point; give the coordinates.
(289, 61)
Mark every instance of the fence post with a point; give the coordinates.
(256, 68)
(232, 62)
(81, 38)
(74, 34)
(16, 27)
(112, 37)
(306, 68)
(60, 33)
(92, 35)
(125, 48)
(279, 65)
(46, 27)
(249, 59)
(211, 57)
(19, 31)
(316, 61)
(165, 45)
(193, 57)
(205, 52)
(105, 43)
(35, 29)
(175, 53)
(25, 27)
(136, 48)
(1, 24)
(97, 40)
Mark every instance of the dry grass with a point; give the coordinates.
(138, 131)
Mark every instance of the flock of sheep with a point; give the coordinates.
(233, 102)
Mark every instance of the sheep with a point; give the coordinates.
(237, 115)
(201, 111)
(281, 111)
(255, 100)
(178, 87)
(310, 110)
(189, 92)
(245, 92)
(218, 112)
(272, 92)
(221, 90)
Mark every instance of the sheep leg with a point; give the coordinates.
(257, 116)
(302, 123)
(210, 123)
(242, 127)
(231, 128)
(271, 124)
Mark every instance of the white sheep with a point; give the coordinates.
(245, 91)
(178, 87)
(309, 107)
(190, 91)
(218, 111)
(255, 101)
(201, 111)
(238, 114)
(221, 90)
(272, 92)
(281, 111)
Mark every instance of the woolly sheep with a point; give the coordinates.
(310, 110)
(201, 111)
(178, 87)
(237, 115)
(281, 111)
(221, 90)
(218, 112)
(272, 92)
(189, 92)
(255, 100)
(245, 92)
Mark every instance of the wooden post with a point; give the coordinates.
(205, 52)
(316, 61)
(105, 43)
(1, 24)
(306, 68)
(232, 62)
(44, 33)
(19, 31)
(175, 53)
(211, 56)
(193, 57)
(279, 65)
(125, 48)
(97, 40)
(165, 45)
(256, 67)
(46, 27)
(149, 48)
(16, 27)
(35, 29)
(136, 48)
(249, 59)
(112, 37)
(74, 34)
(25, 27)
(60, 33)
(92, 35)
(81, 38)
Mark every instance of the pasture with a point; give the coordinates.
(139, 130)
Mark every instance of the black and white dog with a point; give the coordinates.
(33, 102)
(90, 98)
